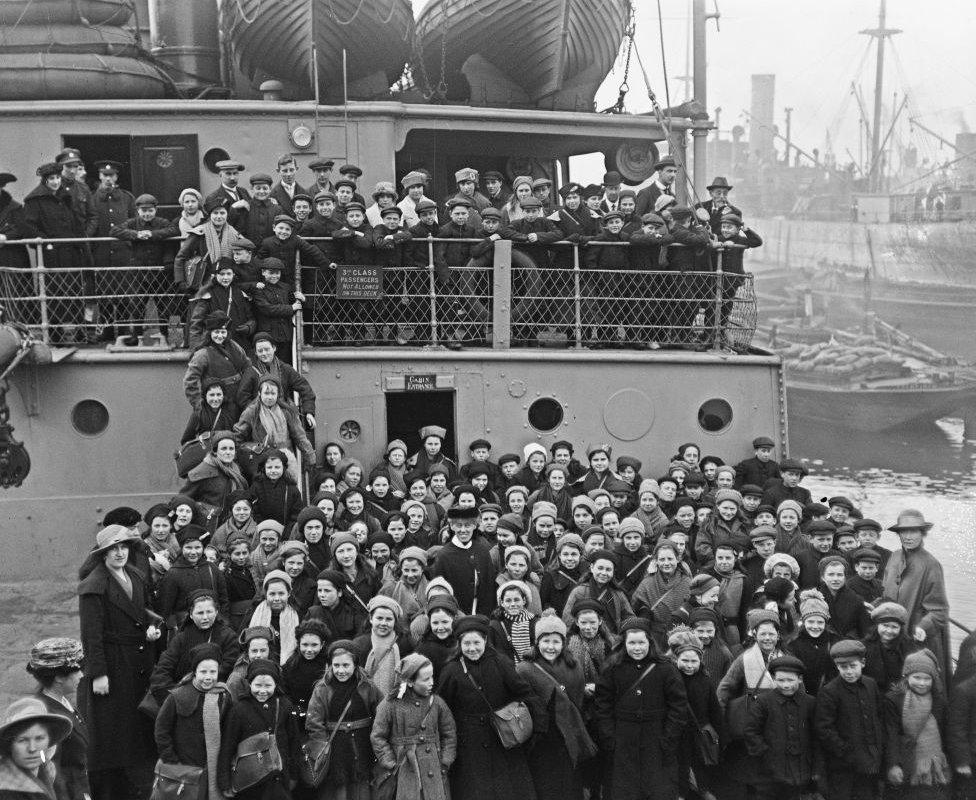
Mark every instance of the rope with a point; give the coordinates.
(393, 7)
(351, 19)
(244, 19)
(664, 60)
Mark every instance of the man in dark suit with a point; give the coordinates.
(286, 188)
(611, 192)
(238, 198)
(667, 171)
(717, 205)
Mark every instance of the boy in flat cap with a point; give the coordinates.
(458, 254)
(322, 170)
(761, 467)
(495, 189)
(258, 219)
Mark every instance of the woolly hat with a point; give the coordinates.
(520, 585)
(380, 538)
(442, 602)
(410, 665)
(513, 549)
(548, 623)
(248, 635)
(263, 666)
(649, 485)
(308, 514)
(569, 540)
(276, 575)
(781, 558)
(533, 447)
(416, 553)
(291, 547)
(341, 538)
(585, 502)
(439, 585)
(636, 624)
(592, 530)
(778, 589)
(631, 525)
(475, 623)
(701, 583)
(728, 494)
(511, 522)
(683, 638)
(382, 601)
(270, 525)
(921, 661)
(347, 646)
(543, 508)
(812, 604)
(757, 616)
(890, 612)
(725, 468)
(203, 652)
(705, 615)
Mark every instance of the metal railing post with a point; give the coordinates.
(577, 305)
(42, 295)
(432, 288)
(717, 340)
(501, 306)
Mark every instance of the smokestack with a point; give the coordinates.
(185, 37)
(761, 117)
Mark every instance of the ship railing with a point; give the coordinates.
(499, 302)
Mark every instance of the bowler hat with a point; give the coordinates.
(910, 519)
(667, 161)
(719, 183)
(612, 178)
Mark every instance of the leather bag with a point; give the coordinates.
(178, 782)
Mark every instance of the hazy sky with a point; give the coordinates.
(814, 49)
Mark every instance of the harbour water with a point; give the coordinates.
(931, 468)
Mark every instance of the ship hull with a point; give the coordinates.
(541, 47)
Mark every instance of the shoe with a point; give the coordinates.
(130, 341)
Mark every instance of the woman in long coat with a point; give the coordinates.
(641, 713)
(117, 628)
(475, 684)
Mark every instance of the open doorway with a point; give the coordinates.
(408, 412)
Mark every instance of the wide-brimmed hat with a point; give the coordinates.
(908, 519)
(111, 535)
(28, 710)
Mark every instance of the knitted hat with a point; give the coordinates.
(440, 584)
(569, 540)
(380, 538)
(631, 525)
(890, 612)
(636, 624)
(476, 623)
(410, 665)
(203, 652)
(585, 502)
(728, 494)
(531, 448)
(542, 508)
(781, 558)
(920, 661)
(248, 635)
(705, 615)
(263, 666)
(416, 553)
(511, 522)
(682, 638)
(276, 575)
(442, 602)
(701, 583)
(271, 525)
(757, 616)
(382, 601)
(726, 468)
(62, 653)
(346, 646)
(548, 623)
(649, 485)
(519, 585)
(342, 538)
(812, 604)
(778, 589)
(517, 549)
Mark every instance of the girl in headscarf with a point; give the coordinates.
(277, 613)
(385, 642)
(521, 190)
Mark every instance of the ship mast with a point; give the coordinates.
(880, 33)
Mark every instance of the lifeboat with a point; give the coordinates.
(275, 39)
(65, 38)
(73, 76)
(46, 12)
(548, 53)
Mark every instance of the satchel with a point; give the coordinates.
(706, 745)
(191, 455)
(249, 455)
(149, 706)
(194, 271)
(739, 709)
(178, 782)
(512, 722)
(256, 760)
(317, 756)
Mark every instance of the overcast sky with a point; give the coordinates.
(814, 49)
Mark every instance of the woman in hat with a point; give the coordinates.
(116, 625)
(521, 190)
(916, 713)
(475, 683)
(385, 641)
(512, 623)
(189, 722)
(562, 744)
(813, 641)
(275, 612)
(161, 545)
(218, 476)
(217, 412)
(913, 578)
(272, 421)
(56, 666)
(219, 358)
(204, 247)
(265, 709)
(395, 464)
(640, 712)
(345, 693)
(311, 530)
(190, 571)
(27, 733)
(564, 574)
(362, 581)
(256, 642)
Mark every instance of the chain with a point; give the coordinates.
(624, 86)
(442, 84)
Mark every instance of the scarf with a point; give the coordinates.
(589, 653)
(921, 738)
(382, 661)
(275, 425)
(230, 471)
(754, 668)
(218, 244)
(211, 735)
(519, 631)
(287, 622)
(14, 779)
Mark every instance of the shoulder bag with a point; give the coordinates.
(738, 710)
(178, 782)
(257, 758)
(706, 742)
(317, 755)
(385, 781)
(512, 722)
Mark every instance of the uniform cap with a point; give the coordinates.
(355, 205)
(146, 200)
(108, 167)
(763, 441)
(68, 156)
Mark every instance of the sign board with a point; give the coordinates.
(359, 282)
(420, 383)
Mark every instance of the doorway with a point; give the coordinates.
(408, 412)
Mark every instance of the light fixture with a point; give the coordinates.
(302, 136)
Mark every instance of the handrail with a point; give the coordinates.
(963, 628)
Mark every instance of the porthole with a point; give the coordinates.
(89, 417)
(715, 415)
(350, 431)
(545, 414)
(212, 156)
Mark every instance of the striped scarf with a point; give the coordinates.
(519, 632)
(211, 736)
(218, 244)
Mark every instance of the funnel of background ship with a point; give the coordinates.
(551, 54)
(274, 40)
(57, 50)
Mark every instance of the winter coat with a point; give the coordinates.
(850, 725)
(233, 302)
(71, 756)
(207, 483)
(897, 751)
(279, 499)
(15, 784)
(174, 663)
(139, 252)
(717, 531)
(775, 492)
(417, 737)
(471, 574)
(206, 420)
(884, 662)
(815, 655)
(756, 472)
(273, 310)
(484, 770)
(258, 221)
(250, 429)
(961, 731)
(641, 727)
(612, 256)
(13, 225)
(557, 585)
(616, 602)
(848, 615)
(345, 620)
(179, 726)
(113, 635)
(781, 735)
(49, 215)
(181, 580)
(286, 250)
(290, 379)
(226, 362)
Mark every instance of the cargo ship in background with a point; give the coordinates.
(100, 424)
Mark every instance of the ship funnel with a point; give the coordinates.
(185, 37)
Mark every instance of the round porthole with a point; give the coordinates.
(89, 417)
(212, 156)
(350, 431)
(545, 414)
(715, 415)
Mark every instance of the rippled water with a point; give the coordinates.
(931, 468)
